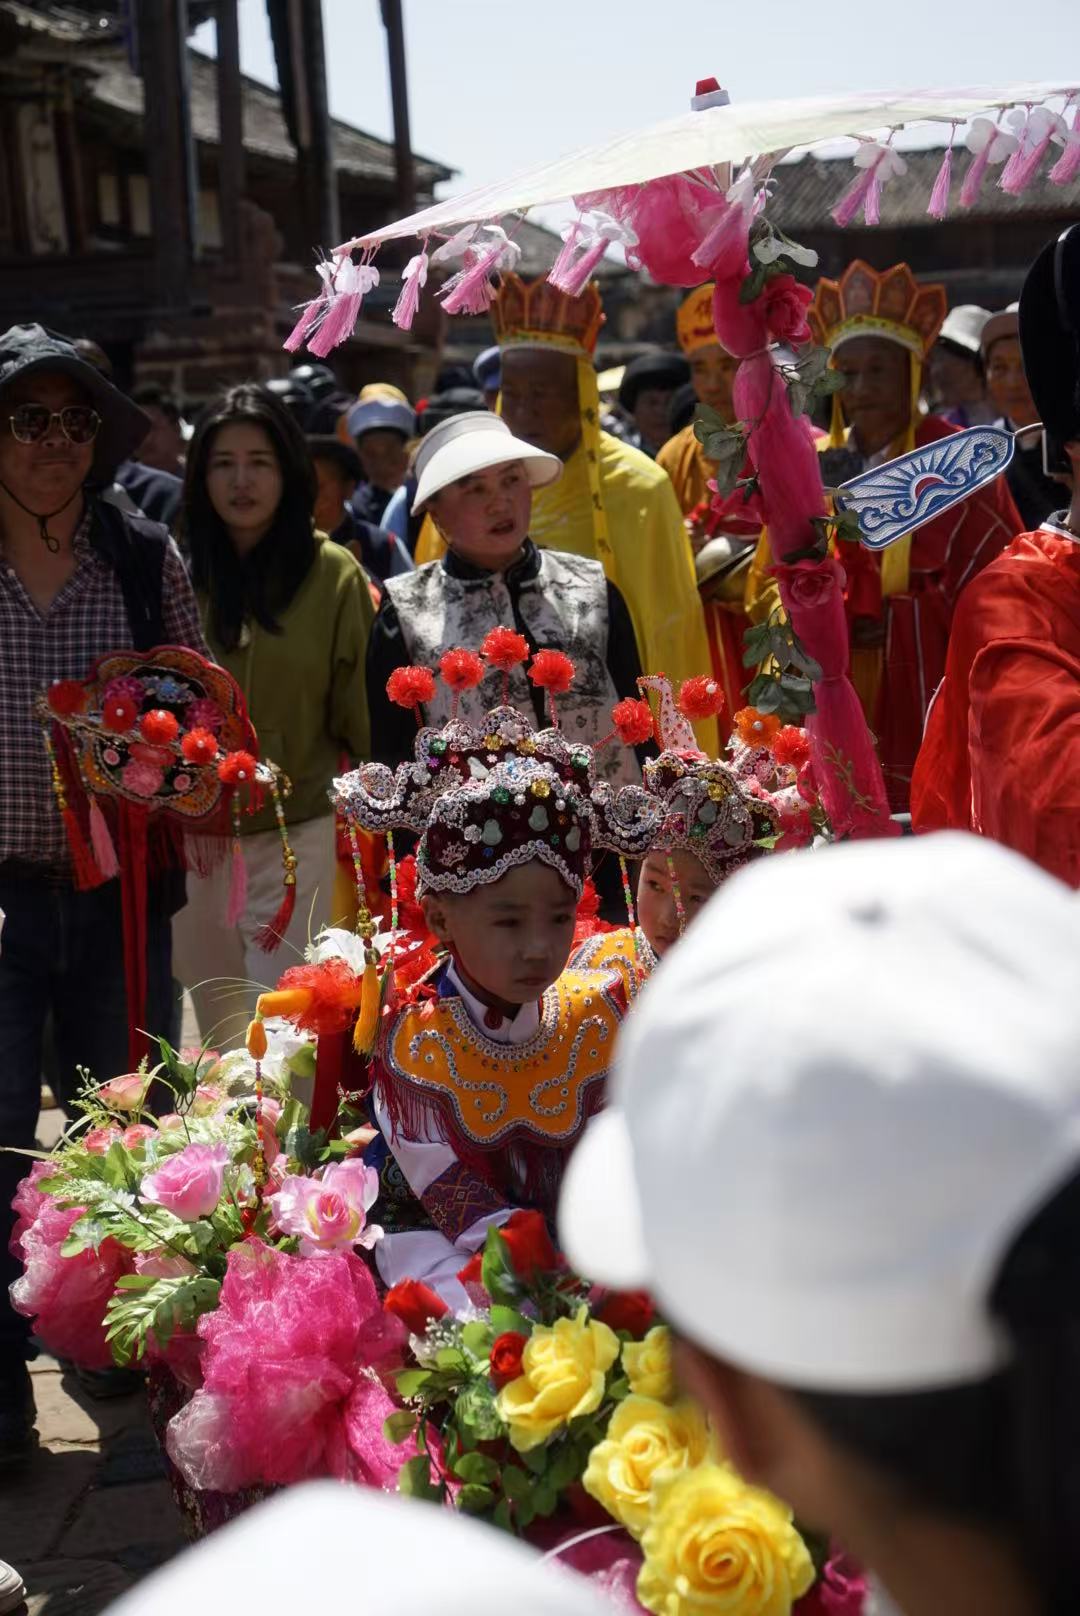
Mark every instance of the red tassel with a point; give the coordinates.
(84, 869)
(102, 843)
(269, 937)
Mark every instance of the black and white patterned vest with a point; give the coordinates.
(564, 607)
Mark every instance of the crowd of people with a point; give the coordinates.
(866, 1364)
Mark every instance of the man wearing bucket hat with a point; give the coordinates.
(476, 480)
(865, 1243)
(79, 578)
(1001, 753)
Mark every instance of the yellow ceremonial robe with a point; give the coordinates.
(652, 564)
(683, 458)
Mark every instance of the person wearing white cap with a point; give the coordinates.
(381, 428)
(476, 480)
(957, 378)
(862, 1217)
(416, 1560)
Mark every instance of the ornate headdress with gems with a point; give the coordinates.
(485, 799)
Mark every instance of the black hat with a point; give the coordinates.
(26, 349)
(1050, 336)
(325, 446)
(454, 401)
(668, 370)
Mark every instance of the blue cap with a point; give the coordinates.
(381, 414)
(487, 368)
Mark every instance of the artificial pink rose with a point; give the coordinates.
(170, 1122)
(785, 303)
(124, 1093)
(143, 779)
(189, 1183)
(329, 1213)
(206, 1101)
(137, 1135)
(810, 583)
(98, 1140)
(162, 1263)
(204, 714)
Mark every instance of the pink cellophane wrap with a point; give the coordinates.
(65, 1296)
(290, 1364)
(609, 1558)
(782, 450)
(672, 217)
(839, 1591)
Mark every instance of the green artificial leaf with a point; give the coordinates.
(73, 1245)
(497, 1271)
(477, 1338)
(453, 1360)
(162, 1307)
(501, 1516)
(118, 1167)
(302, 1063)
(412, 1382)
(400, 1426)
(475, 1411)
(524, 1513)
(765, 693)
(757, 644)
(473, 1499)
(568, 1464)
(846, 525)
(754, 283)
(516, 1483)
(618, 1389)
(414, 1478)
(709, 419)
(507, 1319)
(546, 1497)
(536, 1460)
(476, 1467)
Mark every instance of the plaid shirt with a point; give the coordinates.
(85, 621)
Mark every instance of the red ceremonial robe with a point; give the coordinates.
(1002, 750)
(945, 555)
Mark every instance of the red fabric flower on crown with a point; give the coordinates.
(502, 648)
(118, 714)
(199, 746)
(237, 769)
(553, 671)
(66, 696)
(791, 746)
(461, 669)
(159, 727)
(700, 697)
(633, 721)
(411, 687)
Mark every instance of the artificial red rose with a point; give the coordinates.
(410, 687)
(633, 721)
(552, 670)
(632, 1311)
(531, 1250)
(785, 305)
(66, 696)
(159, 726)
(460, 669)
(505, 1358)
(473, 1271)
(810, 583)
(504, 649)
(700, 697)
(199, 746)
(118, 714)
(237, 769)
(415, 1304)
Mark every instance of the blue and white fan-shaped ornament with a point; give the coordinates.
(892, 500)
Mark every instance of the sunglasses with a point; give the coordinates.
(31, 422)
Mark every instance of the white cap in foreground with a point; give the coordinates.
(326, 1546)
(836, 1104)
(475, 442)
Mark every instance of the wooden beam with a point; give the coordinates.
(231, 164)
(170, 152)
(394, 24)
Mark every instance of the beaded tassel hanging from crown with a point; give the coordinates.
(84, 867)
(676, 893)
(366, 1027)
(631, 915)
(269, 937)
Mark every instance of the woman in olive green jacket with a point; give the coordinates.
(288, 613)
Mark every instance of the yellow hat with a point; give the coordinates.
(382, 390)
(694, 322)
(887, 303)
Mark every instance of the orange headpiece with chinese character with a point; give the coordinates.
(887, 303)
(535, 313)
(694, 322)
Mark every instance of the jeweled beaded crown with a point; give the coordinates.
(888, 303)
(523, 311)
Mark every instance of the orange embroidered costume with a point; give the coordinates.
(1001, 754)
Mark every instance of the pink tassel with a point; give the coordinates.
(855, 197)
(574, 279)
(1068, 164)
(938, 205)
(565, 259)
(1023, 166)
(237, 900)
(470, 291)
(872, 205)
(102, 843)
(414, 276)
(310, 315)
(339, 324)
(969, 191)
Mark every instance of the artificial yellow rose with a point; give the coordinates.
(648, 1365)
(717, 1547)
(563, 1369)
(645, 1440)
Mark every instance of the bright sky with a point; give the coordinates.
(496, 86)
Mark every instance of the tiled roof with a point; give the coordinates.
(807, 191)
(540, 247)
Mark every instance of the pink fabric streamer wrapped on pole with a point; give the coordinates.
(845, 763)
